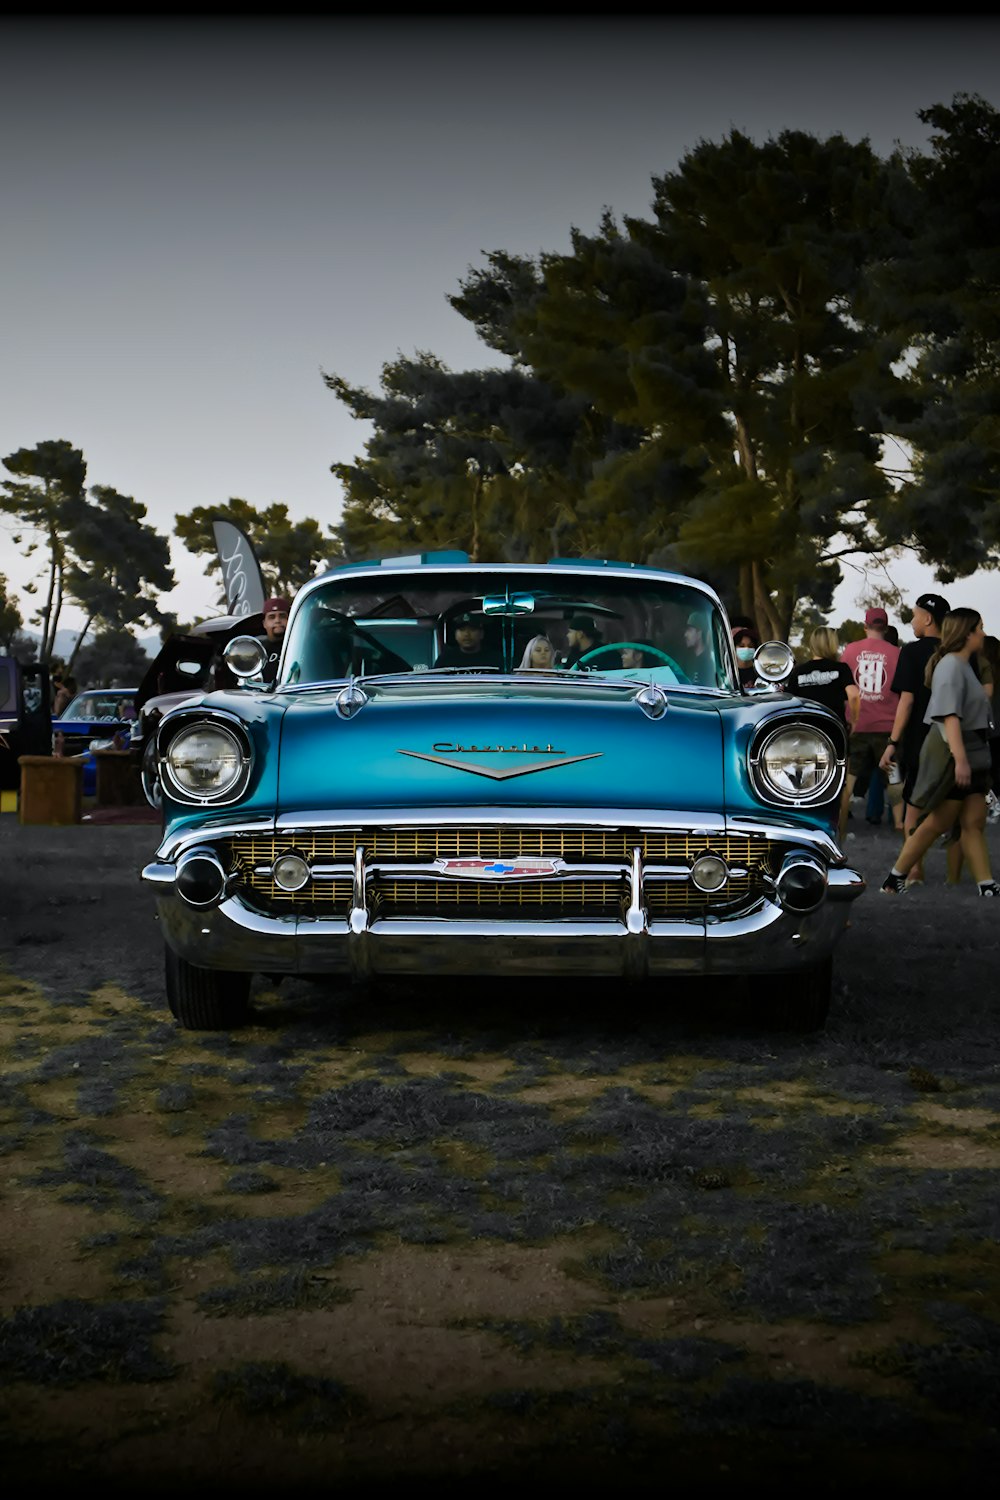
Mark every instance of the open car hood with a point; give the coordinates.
(203, 645)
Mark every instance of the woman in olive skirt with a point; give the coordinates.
(954, 773)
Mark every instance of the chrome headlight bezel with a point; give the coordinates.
(229, 728)
(764, 741)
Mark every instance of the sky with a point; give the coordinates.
(200, 217)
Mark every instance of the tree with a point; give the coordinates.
(113, 657)
(288, 551)
(47, 499)
(10, 617)
(489, 461)
(120, 565)
(734, 331)
(943, 300)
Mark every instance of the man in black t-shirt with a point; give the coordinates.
(466, 644)
(908, 727)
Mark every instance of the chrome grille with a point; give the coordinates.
(252, 855)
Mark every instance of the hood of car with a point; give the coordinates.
(499, 746)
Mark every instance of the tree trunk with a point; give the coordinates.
(79, 643)
(765, 611)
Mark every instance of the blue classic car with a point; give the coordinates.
(413, 795)
(96, 719)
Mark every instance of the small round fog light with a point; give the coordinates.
(709, 872)
(290, 872)
(801, 886)
(201, 880)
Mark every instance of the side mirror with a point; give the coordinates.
(244, 656)
(774, 661)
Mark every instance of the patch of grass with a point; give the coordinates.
(259, 1296)
(101, 1181)
(272, 1388)
(68, 1342)
(251, 1181)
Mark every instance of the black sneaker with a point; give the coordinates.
(895, 885)
(993, 889)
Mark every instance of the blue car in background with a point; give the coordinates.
(415, 795)
(97, 719)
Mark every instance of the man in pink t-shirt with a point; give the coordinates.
(873, 662)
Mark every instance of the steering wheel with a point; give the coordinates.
(632, 646)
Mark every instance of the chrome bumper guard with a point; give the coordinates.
(759, 937)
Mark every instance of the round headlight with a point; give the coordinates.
(205, 760)
(797, 764)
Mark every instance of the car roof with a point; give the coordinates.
(457, 563)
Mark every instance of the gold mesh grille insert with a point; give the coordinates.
(469, 841)
(595, 897)
(402, 897)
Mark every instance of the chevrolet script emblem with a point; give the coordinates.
(496, 773)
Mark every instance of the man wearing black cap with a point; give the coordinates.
(275, 621)
(908, 727)
(582, 636)
(465, 646)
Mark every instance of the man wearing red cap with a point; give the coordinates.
(873, 662)
(275, 620)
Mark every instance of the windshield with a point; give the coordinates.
(633, 629)
(110, 707)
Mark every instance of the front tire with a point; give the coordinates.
(206, 999)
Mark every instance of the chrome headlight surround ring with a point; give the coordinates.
(228, 725)
(825, 791)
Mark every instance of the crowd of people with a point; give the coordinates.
(921, 732)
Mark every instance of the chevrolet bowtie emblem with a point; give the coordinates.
(502, 775)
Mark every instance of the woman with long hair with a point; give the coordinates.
(539, 655)
(954, 773)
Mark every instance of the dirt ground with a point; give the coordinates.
(471, 1233)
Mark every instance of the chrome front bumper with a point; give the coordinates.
(762, 938)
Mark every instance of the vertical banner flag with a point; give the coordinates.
(241, 575)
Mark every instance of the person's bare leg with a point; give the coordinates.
(921, 839)
(894, 792)
(845, 803)
(911, 820)
(954, 859)
(974, 837)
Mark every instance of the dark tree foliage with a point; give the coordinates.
(46, 497)
(101, 553)
(113, 658)
(733, 330)
(713, 389)
(10, 618)
(119, 566)
(945, 298)
(492, 462)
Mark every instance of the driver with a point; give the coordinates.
(466, 646)
(582, 636)
(633, 658)
(700, 664)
